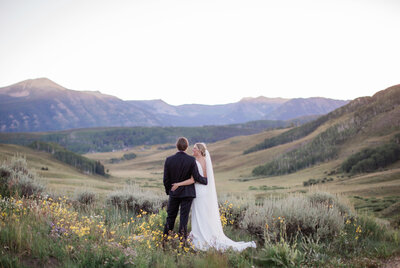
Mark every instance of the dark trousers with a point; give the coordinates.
(172, 210)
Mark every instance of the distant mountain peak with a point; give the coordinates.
(31, 87)
(262, 99)
(40, 83)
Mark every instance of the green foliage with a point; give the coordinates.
(78, 161)
(8, 261)
(128, 156)
(280, 254)
(322, 148)
(363, 235)
(316, 181)
(373, 204)
(371, 159)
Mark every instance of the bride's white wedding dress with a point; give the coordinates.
(207, 229)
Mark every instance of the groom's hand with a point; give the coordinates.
(174, 186)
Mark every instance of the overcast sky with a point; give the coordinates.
(204, 51)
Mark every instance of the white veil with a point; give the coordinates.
(207, 228)
(211, 189)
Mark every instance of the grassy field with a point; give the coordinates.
(232, 169)
(318, 229)
(59, 178)
(88, 229)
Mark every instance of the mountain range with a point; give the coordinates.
(42, 105)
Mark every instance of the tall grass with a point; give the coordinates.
(127, 231)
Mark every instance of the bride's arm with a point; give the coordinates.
(182, 183)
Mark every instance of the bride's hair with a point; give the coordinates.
(202, 147)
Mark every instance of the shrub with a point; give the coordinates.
(17, 179)
(316, 181)
(328, 200)
(129, 156)
(280, 254)
(298, 214)
(86, 197)
(135, 199)
(233, 208)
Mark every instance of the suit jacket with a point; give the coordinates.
(180, 167)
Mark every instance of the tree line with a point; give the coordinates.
(322, 148)
(372, 159)
(80, 162)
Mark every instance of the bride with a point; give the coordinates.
(206, 222)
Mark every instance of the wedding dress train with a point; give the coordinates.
(207, 229)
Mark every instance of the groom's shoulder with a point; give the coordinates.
(181, 155)
(190, 157)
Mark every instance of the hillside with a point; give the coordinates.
(364, 122)
(78, 161)
(360, 119)
(118, 138)
(58, 177)
(42, 105)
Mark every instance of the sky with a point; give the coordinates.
(206, 52)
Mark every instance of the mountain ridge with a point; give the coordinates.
(42, 105)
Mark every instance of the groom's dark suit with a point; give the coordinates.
(177, 168)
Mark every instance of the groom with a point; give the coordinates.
(177, 168)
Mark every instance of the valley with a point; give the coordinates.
(293, 181)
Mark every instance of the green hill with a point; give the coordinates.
(364, 117)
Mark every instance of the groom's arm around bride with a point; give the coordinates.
(178, 168)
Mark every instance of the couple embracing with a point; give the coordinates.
(189, 182)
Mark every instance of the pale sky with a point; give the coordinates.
(208, 52)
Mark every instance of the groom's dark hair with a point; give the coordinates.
(182, 144)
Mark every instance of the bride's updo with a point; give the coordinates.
(202, 148)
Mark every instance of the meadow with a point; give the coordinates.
(313, 215)
(71, 219)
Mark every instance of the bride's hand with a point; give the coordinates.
(174, 186)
